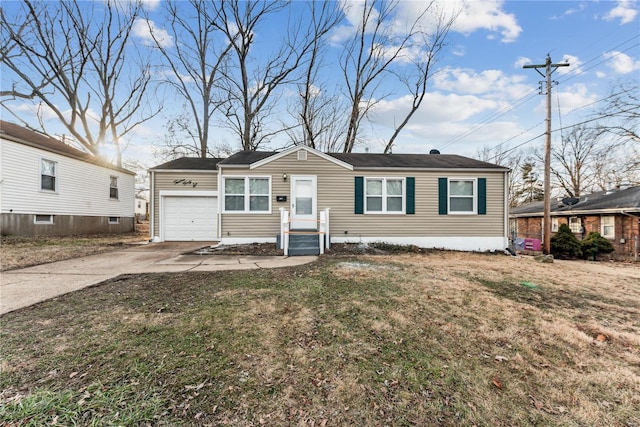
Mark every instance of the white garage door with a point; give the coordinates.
(189, 218)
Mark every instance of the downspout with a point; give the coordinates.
(219, 203)
(636, 244)
(506, 210)
(153, 204)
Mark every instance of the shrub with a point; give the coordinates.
(595, 244)
(564, 245)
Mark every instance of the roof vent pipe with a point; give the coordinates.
(434, 151)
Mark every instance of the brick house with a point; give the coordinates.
(615, 214)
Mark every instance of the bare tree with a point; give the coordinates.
(619, 123)
(370, 55)
(573, 160)
(509, 159)
(252, 83)
(181, 140)
(320, 109)
(75, 61)
(430, 44)
(194, 62)
(621, 114)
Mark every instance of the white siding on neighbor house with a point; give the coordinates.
(82, 188)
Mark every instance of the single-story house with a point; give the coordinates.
(50, 188)
(615, 214)
(428, 200)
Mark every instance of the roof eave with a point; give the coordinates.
(96, 162)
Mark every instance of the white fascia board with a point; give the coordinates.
(455, 170)
(183, 170)
(298, 148)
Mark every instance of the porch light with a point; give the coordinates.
(284, 176)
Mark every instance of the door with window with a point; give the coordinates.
(303, 203)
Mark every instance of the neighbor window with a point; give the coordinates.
(247, 194)
(113, 187)
(43, 219)
(384, 195)
(114, 220)
(608, 226)
(554, 225)
(462, 196)
(575, 224)
(47, 175)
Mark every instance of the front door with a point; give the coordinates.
(303, 203)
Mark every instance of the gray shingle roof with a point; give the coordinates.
(368, 160)
(413, 161)
(22, 135)
(602, 201)
(190, 163)
(247, 157)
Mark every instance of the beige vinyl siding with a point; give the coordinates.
(163, 181)
(336, 191)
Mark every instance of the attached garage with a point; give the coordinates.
(184, 200)
(189, 218)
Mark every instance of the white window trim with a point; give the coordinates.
(116, 187)
(579, 222)
(474, 196)
(246, 194)
(613, 226)
(117, 220)
(46, 190)
(384, 195)
(554, 224)
(35, 219)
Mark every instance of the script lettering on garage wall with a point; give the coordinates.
(185, 182)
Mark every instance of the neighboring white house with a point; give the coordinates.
(141, 208)
(50, 188)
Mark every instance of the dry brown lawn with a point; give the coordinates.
(442, 338)
(20, 252)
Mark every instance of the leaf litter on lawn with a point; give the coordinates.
(411, 339)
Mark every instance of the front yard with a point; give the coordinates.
(441, 338)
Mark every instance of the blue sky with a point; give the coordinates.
(480, 96)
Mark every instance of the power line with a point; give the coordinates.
(530, 95)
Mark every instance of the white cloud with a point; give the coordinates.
(471, 16)
(436, 108)
(571, 98)
(601, 75)
(492, 83)
(521, 61)
(575, 65)
(144, 29)
(625, 10)
(621, 63)
(150, 5)
(484, 15)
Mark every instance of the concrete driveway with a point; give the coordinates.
(28, 286)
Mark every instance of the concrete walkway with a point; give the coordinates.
(28, 286)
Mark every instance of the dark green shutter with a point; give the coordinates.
(482, 196)
(442, 196)
(411, 196)
(359, 195)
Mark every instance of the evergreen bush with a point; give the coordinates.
(595, 244)
(564, 245)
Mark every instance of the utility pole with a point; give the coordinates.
(549, 69)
